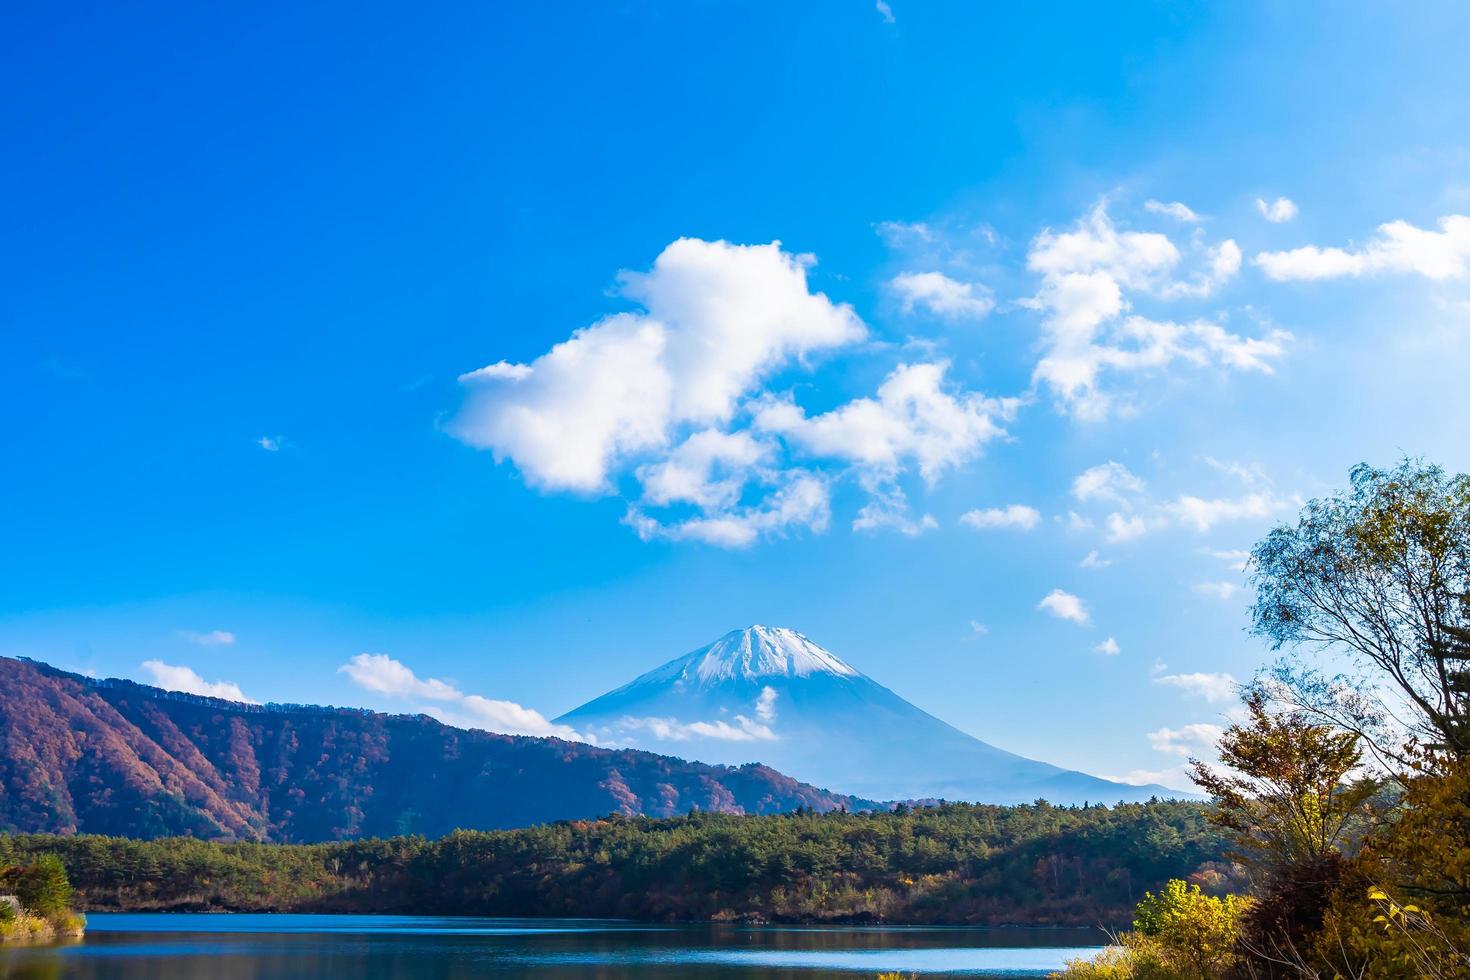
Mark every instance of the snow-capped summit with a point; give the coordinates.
(749, 654)
(768, 694)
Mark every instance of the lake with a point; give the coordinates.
(165, 946)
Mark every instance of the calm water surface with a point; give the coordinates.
(236, 947)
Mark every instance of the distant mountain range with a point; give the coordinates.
(771, 695)
(115, 757)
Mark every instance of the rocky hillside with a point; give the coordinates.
(115, 757)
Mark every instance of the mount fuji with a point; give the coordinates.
(768, 694)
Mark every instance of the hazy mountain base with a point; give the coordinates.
(809, 714)
(950, 864)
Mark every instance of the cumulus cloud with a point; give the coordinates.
(942, 296)
(1107, 481)
(1397, 247)
(677, 396)
(978, 629)
(707, 469)
(1212, 687)
(173, 677)
(717, 319)
(1122, 528)
(1094, 560)
(209, 638)
(381, 674)
(1196, 739)
(1108, 647)
(916, 418)
(884, 11)
(271, 444)
(1281, 210)
(1064, 605)
(1173, 209)
(1017, 516)
(1087, 274)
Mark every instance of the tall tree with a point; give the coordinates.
(1376, 579)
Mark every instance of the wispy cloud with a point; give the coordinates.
(1173, 209)
(210, 638)
(1212, 687)
(381, 674)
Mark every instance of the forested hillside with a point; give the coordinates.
(114, 757)
(953, 863)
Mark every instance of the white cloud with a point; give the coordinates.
(1108, 647)
(1174, 209)
(1397, 247)
(1122, 528)
(177, 678)
(676, 396)
(914, 418)
(381, 674)
(1212, 687)
(1222, 264)
(942, 296)
(800, 500)
(210, 638)
(271, 444)
(978, 629)
(1086, 274)
(1139, 515)
(1175, 777)
(1196, 739)
(718, 318)
(1017, 516)
(1217, 590)
(765, 705)
(672, 730)
(1064, 605)
(743, 728)
(885, 11)
(1107, 481)
(1094, 560)
(1281, 210)
(1235, 558)
(889, 508)
(1200, 514)
(687, 474)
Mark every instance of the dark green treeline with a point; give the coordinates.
(951, 863)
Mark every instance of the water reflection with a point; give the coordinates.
(289, 946)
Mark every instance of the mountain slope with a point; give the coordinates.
(114, 757)
(770, 694)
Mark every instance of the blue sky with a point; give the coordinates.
(251, 253)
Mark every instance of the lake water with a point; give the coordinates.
(235, 947)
